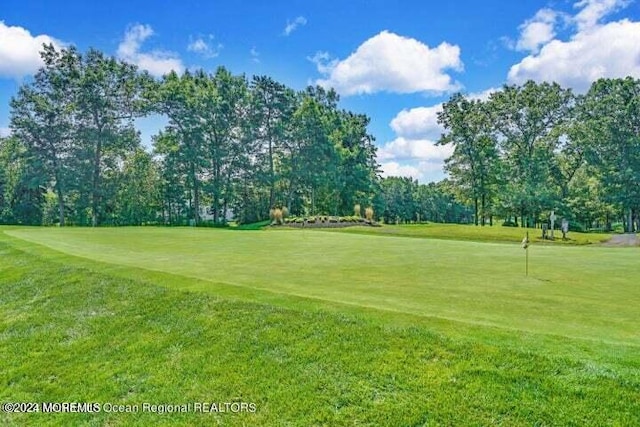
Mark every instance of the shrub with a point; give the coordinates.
(272, 214)
(577, 226)
(357, 210)
(285, 212)
(368, 213)
(277, 216)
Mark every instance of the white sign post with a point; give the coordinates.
(565, 228)
(552, 218)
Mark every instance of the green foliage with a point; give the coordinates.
(137, 200)
(611, 113)
(76, 121)
(236, 147)
(527, 119)
(22, 195)
(475, 164)
(404, 200)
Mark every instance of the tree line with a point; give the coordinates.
(236, 148)
(233, 147)
(536, 148)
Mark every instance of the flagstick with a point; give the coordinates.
(527, 257)
(525, 246)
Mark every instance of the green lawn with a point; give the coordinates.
(317, 328)
(487, 233)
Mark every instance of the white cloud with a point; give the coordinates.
(594, 10)
(205, 48)
(20, 51)
(420, 122)
(324, 62)
(483, 95)
(423, 171)
(156, 62)
(4, 132)
(610, 50)
(537, 31)
(293, 25)
(404, 149)
(392, 63)
(413, 152)
(396, 169)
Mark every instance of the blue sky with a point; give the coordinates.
(394, 61)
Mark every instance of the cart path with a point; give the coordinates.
(627, 239)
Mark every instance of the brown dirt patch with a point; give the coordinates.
(627, 239)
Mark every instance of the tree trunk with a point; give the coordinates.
(95, 196)
(196, 195)
(272, 178)
(475, 209)
(60, 200)
(483, 206)
(630, 221)
(224, 211)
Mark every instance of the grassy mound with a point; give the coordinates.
(480, 234)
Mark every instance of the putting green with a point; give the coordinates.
(583, 292)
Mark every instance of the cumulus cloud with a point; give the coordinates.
(402, 148)
(157, 62)
(324, 62)
(592, 11)
(611, 50)
(293, 25)
(20, 50)
(392, 63)
(416, 158)
(482, 95)
(537, 31)
(420, 122)
(596, 49)
(396, 169)
(414, 151)
(423, 171)
(206, 48)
